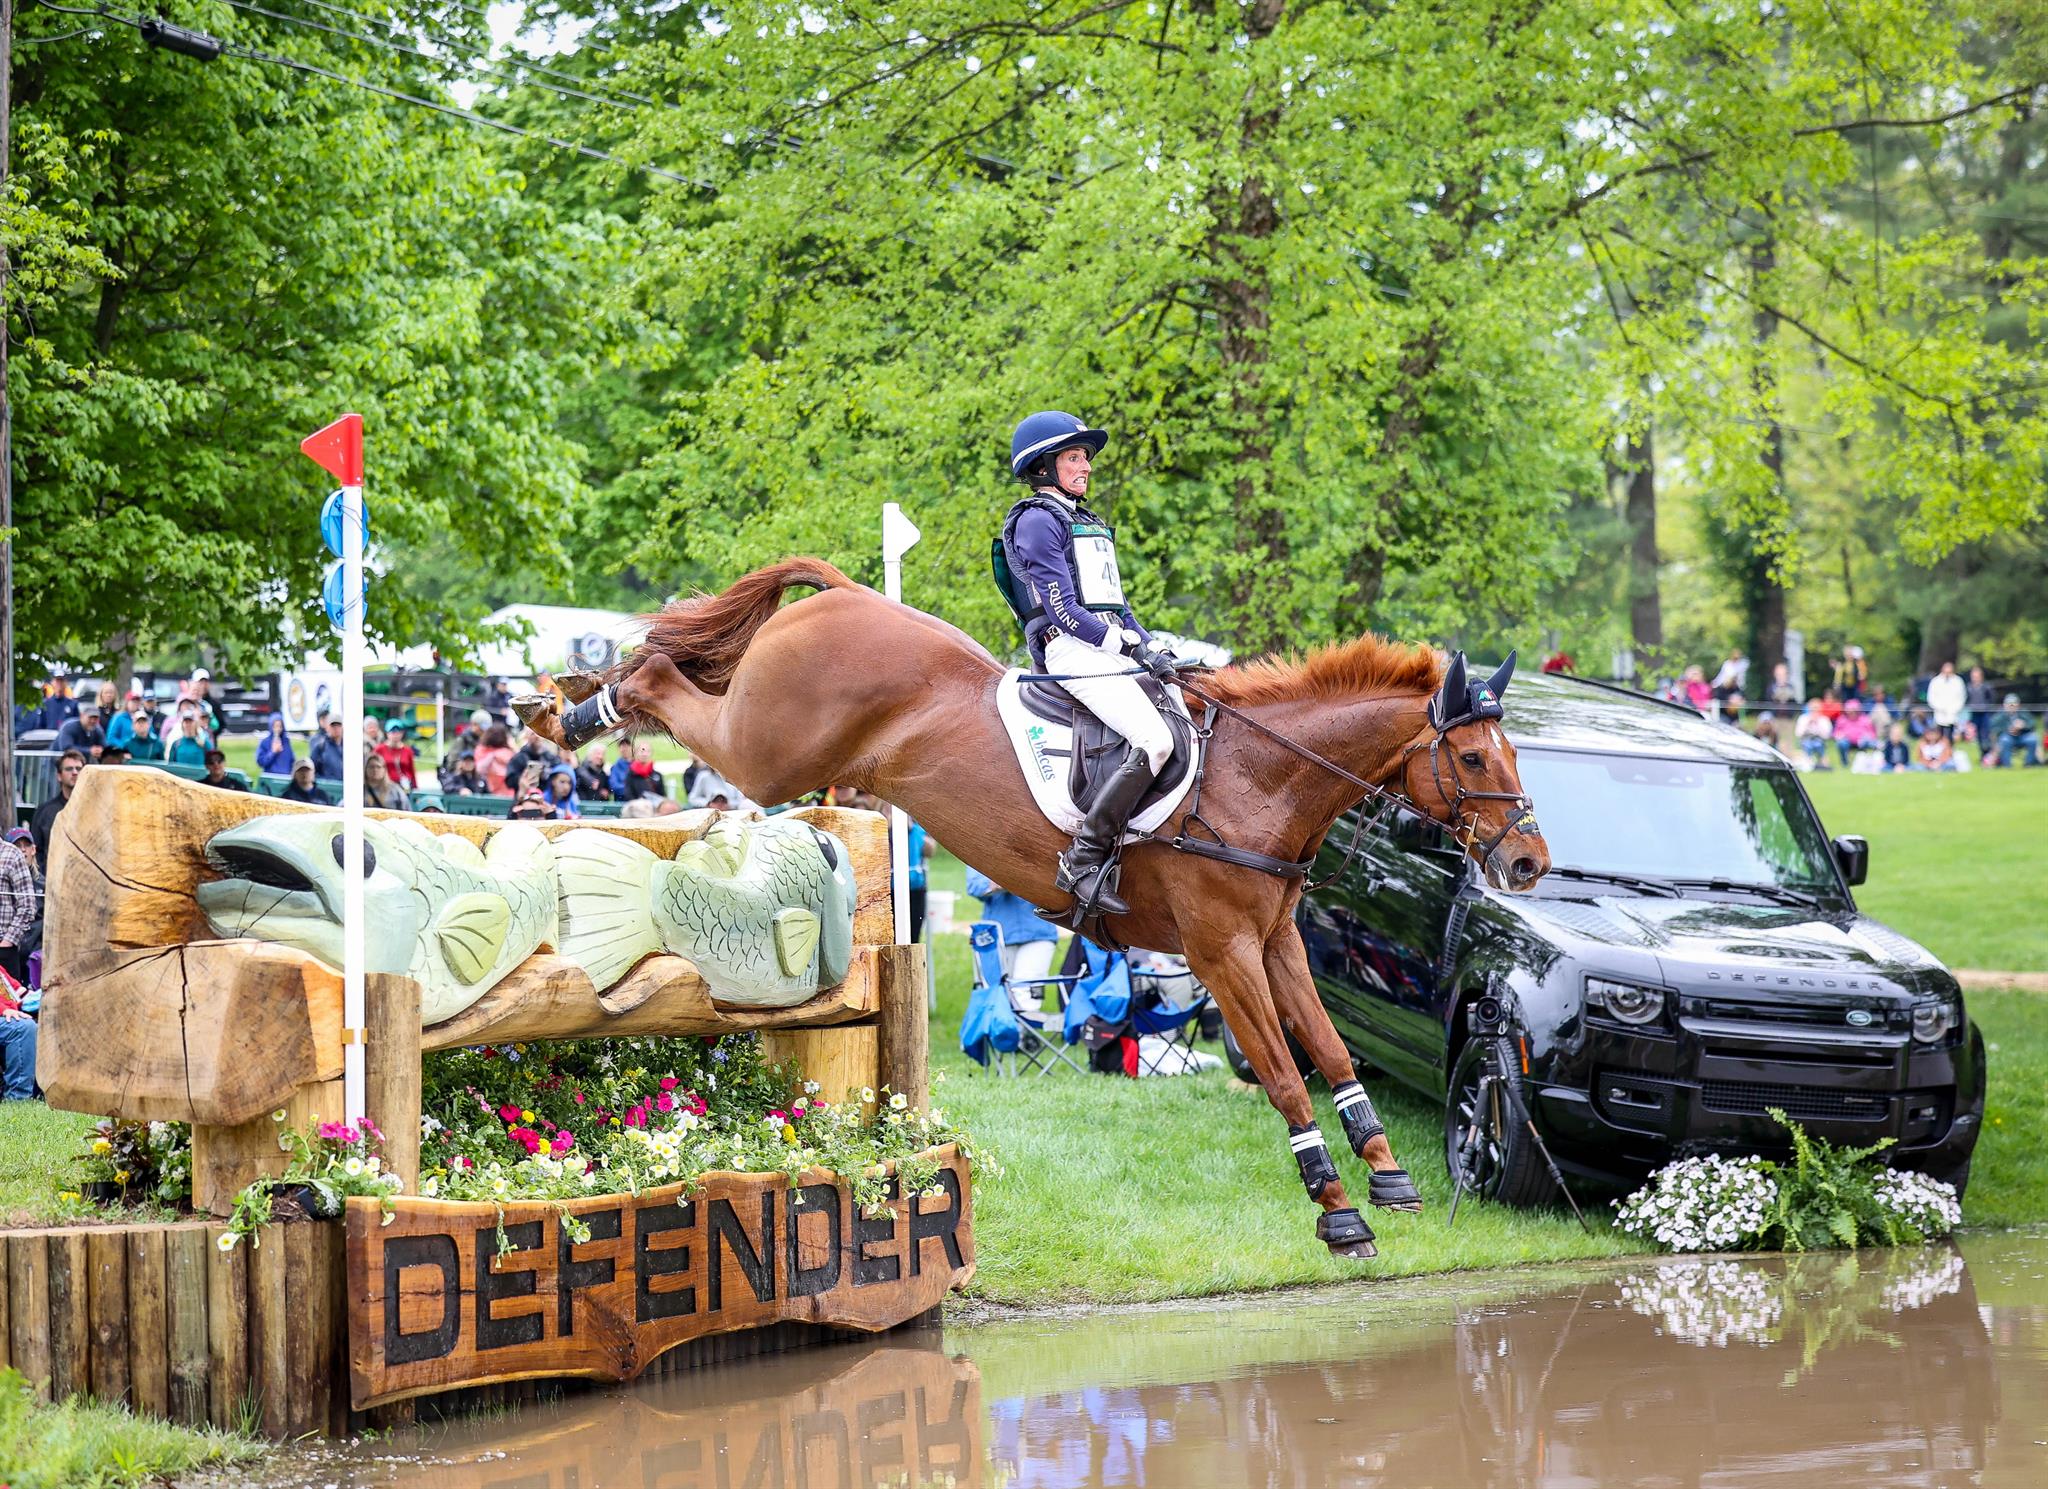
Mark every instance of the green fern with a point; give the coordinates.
(1827, 1196)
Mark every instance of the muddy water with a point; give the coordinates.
(1885, 1369)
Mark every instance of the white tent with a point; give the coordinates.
(559, 636)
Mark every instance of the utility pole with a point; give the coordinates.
(6, 435)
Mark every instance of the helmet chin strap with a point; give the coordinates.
(1052, 482)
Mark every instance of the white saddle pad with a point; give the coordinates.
(1045, 754)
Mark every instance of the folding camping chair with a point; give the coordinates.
(1167, 1004)
(1039, 1042)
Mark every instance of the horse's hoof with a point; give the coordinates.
(1346, 1234)
(526, 707)
(1392, 1189)
(577, 686)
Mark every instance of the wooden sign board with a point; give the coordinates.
(433, 1306)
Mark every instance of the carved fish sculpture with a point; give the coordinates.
(453, 918)
(764, 909)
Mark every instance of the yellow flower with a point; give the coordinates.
(789, 1134)
(526, 1116)
(101, 1145)
(69, 1194)
(614, 1121)
(120, 1176)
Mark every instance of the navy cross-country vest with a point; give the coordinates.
(1089, 547)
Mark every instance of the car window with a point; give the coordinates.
(1640, 814)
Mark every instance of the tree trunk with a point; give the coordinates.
(1645, 609)
(1243, 294)
(1765, 594)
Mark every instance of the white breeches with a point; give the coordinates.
(1118, 701)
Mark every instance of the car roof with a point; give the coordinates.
(1578, 713)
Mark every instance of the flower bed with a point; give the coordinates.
(1827, 1196)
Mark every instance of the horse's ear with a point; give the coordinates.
(1498, 683)
(1451, 699)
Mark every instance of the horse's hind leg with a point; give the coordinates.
(655, 692)
(1234, 972)
(1302, 1013)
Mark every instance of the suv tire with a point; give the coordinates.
(1509, 1169)
(1241, 1067)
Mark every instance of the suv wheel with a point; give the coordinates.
(1242, 1067)
(1499, 1161)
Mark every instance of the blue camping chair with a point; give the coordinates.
(1169, 1005)
(1004, 1020)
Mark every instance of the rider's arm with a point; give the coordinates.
(1041, 561)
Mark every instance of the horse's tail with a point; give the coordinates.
(706, 635)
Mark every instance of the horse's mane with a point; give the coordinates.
(1348, 669)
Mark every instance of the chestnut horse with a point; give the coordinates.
(849, 688)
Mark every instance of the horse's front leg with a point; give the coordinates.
(1234, 971)
(1302, 1013)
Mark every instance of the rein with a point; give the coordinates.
(1213, 846)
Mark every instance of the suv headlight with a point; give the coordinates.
(1933, 1022)
(1630, 1002)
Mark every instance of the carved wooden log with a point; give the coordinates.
(149, 1017)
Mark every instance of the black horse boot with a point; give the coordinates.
(1087, 870)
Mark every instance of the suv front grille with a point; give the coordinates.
(1754, 1098)
(1826, 1016)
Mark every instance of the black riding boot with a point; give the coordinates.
(1087, 870)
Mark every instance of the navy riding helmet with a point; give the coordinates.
(1041, 434)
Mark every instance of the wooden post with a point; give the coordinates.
(842, 1060)
(304, 1291)
(107, 1303)
(28, 1306)
(185, 1252)
(227, 1329)
(6, 1333)
(149, 1335)
(225, 1160)
(392, 1073)
(269, 1328)
(905, 1021)
(70, 1314)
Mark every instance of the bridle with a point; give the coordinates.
(1464, 828)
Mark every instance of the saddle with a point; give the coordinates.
(1065, 751)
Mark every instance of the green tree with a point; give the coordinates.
(268, 249)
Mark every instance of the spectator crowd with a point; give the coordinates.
(1947, 720)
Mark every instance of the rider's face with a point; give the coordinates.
(1071, 468)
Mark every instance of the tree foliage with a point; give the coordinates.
(252, 251)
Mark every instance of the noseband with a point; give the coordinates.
(1464, 827)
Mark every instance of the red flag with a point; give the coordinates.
(339, 447)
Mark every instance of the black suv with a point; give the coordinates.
(1693, 958)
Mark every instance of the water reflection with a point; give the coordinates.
(1881, 1368)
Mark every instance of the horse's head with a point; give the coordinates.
(1461, 772)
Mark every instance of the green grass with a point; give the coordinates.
(1953, 858)
(79, 1444)
(1116, 1190)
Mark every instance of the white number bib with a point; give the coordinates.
(1095, 564)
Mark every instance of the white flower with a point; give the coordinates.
(373, 1163)
(499, 1186)
(430, 1186)
(867, 1094)
(352, 1167)
(812, 1088)
(227, 1240)
(898, 1102)
(935, 1117)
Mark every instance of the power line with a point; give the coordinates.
(391, 46)
(176, 39)
(461, 113)
(424, 33)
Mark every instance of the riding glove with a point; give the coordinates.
(1157, 660)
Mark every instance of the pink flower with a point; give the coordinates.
(637, 1117)
(468, 1162)
(527, 1138)
(563, 1142)
(579, 1098)
(669, 1083)
(664, 1102)
(780, 1116)
(332, 1131)
(350, 1135)
(508, 1114)
(373, 1129)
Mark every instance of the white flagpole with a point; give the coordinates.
(354, 1010)
(899, 535)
